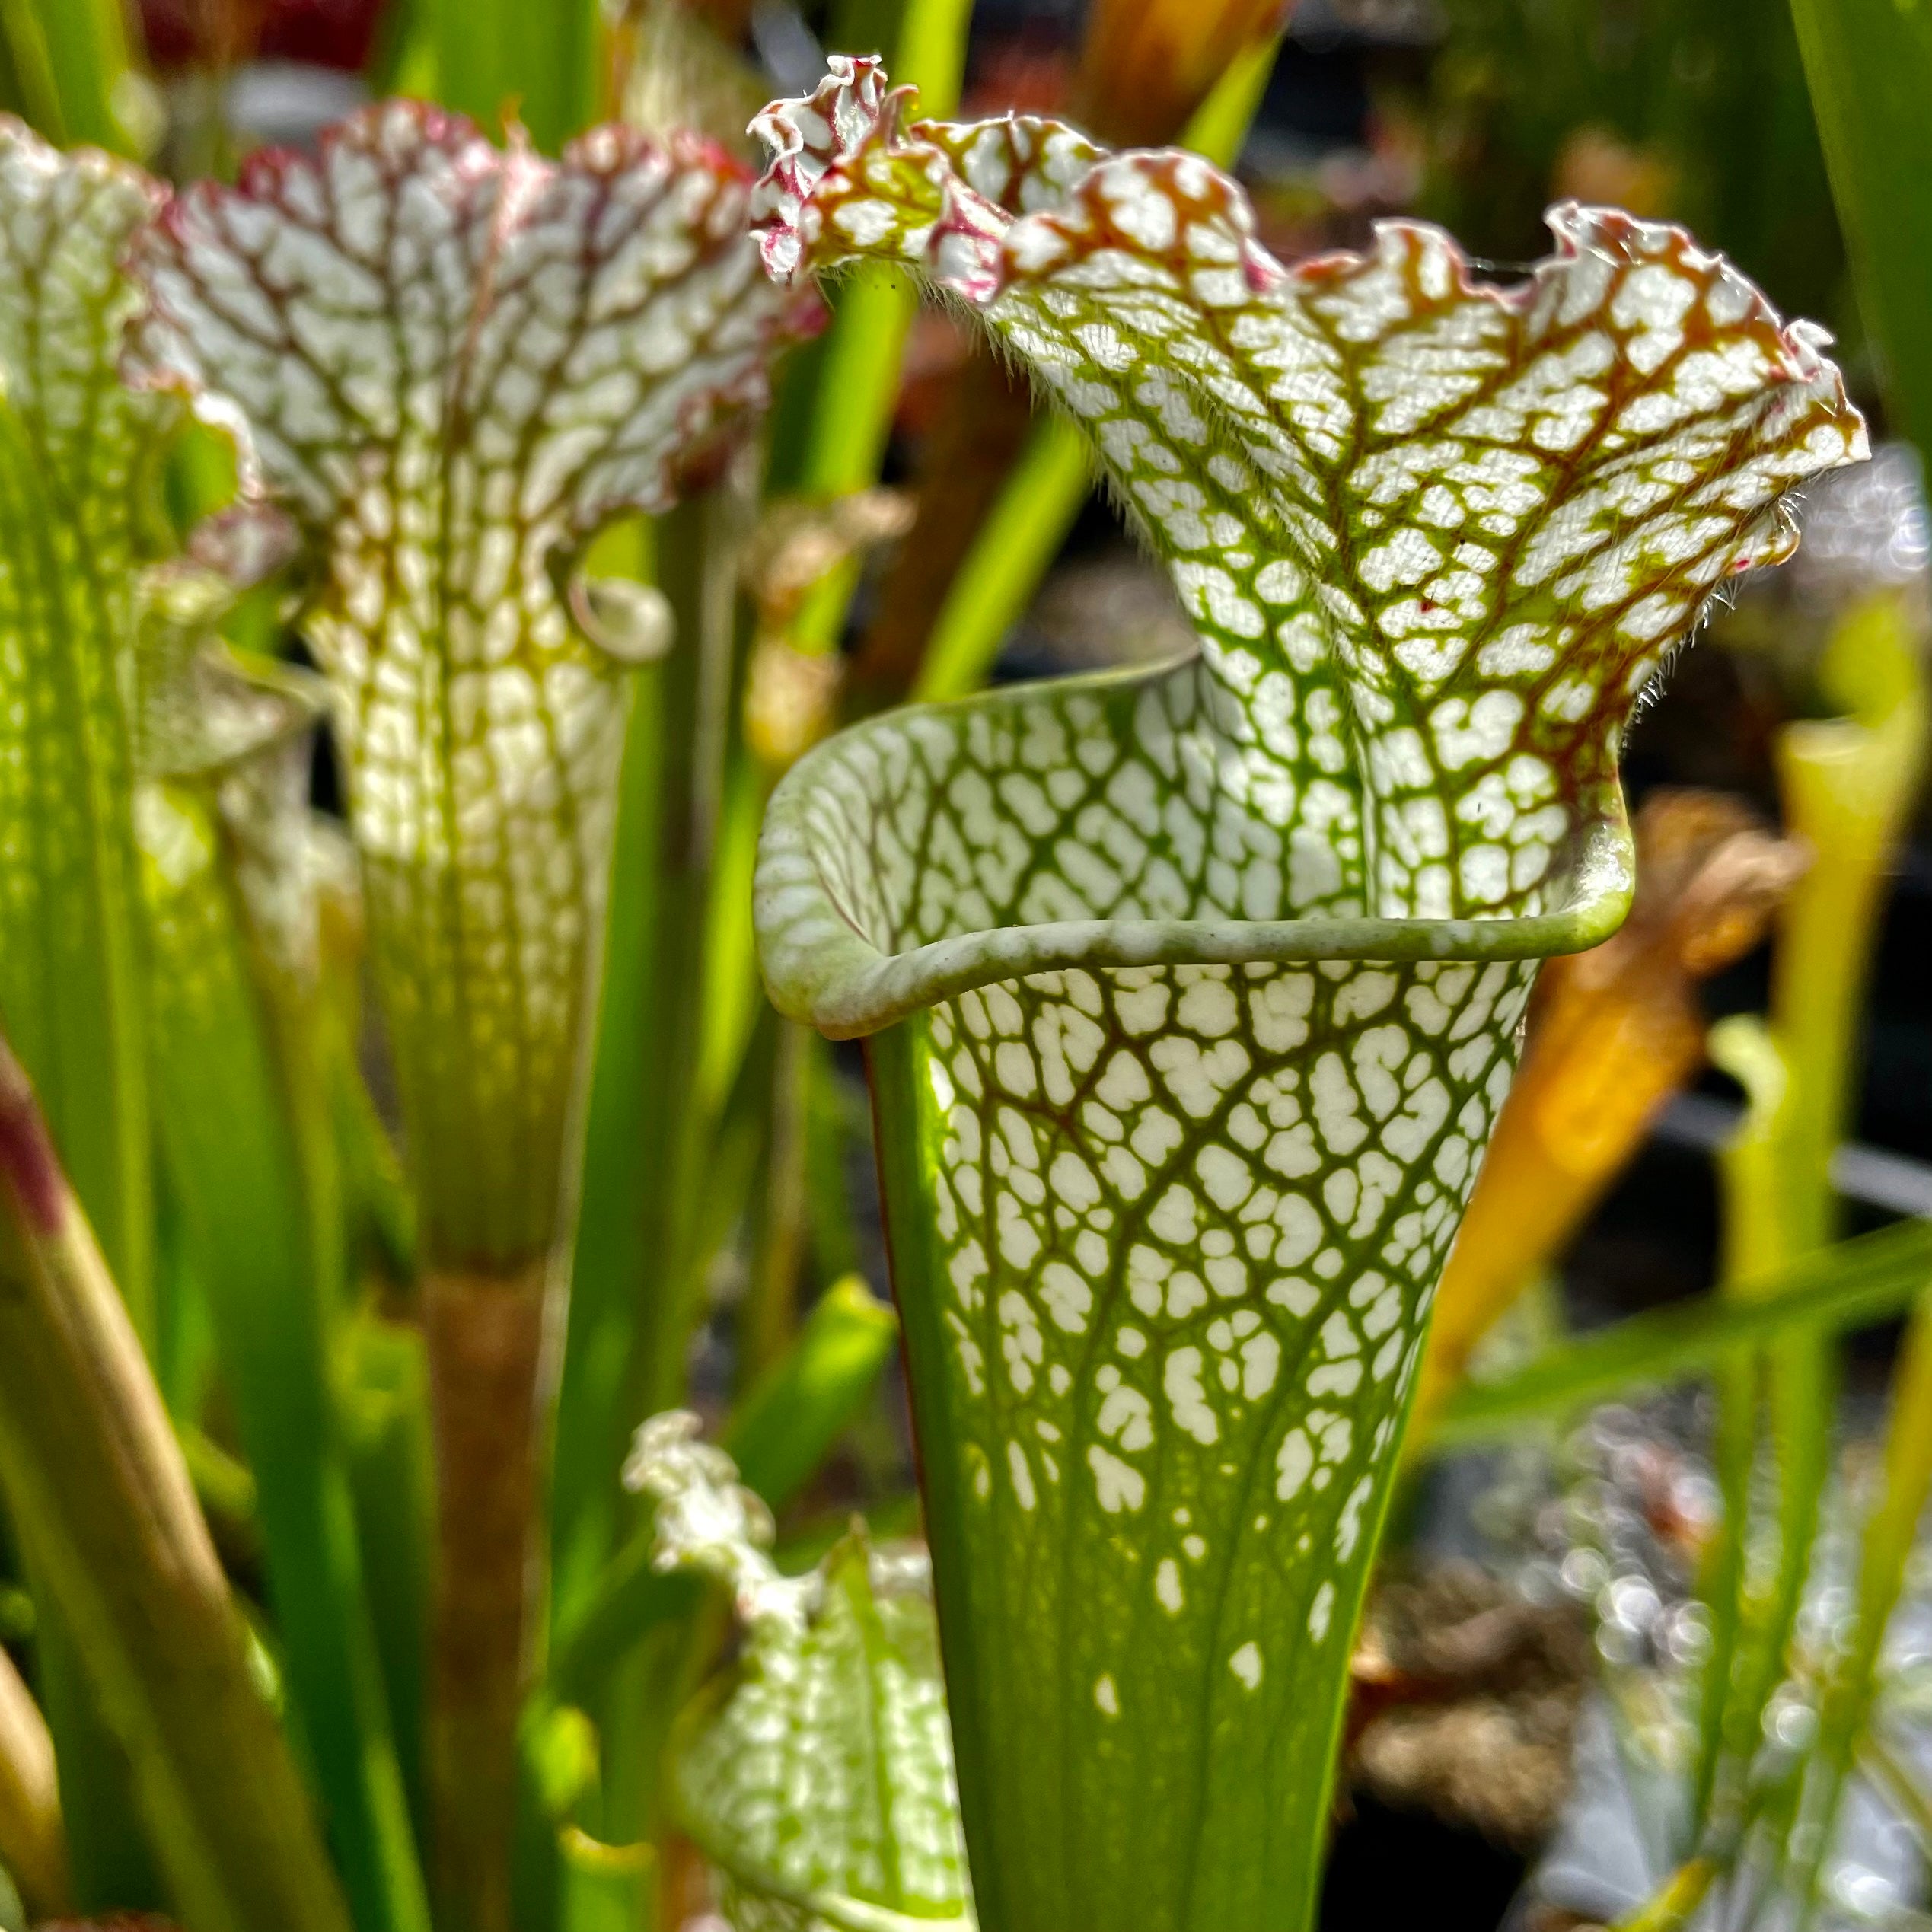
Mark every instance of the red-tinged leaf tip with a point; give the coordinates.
(807, 138)
(604, 304)
(843, 159)
(1436, 535)
(27, 1153)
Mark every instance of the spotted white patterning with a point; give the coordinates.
(1209, 977)
(816, 1775)
(452, 364)
(77, 454)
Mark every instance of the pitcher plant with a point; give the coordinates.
(453, 365)
(1191, 995)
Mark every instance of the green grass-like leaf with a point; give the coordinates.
(240, 1078)
(77, 458)
(1869, 63)
(97, 1490)
(1856, 1282)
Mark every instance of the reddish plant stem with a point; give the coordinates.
(485, 1336)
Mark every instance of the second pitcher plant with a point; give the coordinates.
(452, 365)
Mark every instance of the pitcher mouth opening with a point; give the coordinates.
(823, 966)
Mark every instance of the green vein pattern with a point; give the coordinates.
(816, 1774)
(76, 454)
(1196, 991)
(453, 365)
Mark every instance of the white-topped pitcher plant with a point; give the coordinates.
(1191, 993)
(452, 365)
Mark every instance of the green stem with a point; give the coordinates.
(1220, 128)
(392, 1474)
(1675, 1902)
(377, 1208)
(1755, 1244)
(794, 1414)
(101, 1500)
(1015, 546)
(1890, 1535)
(639, 1245)
(630, 1301)
(770, 1309)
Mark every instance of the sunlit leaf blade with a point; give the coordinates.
(817, 1776)
(1210, 975)
(75, 452)
(1854, 1284)
(540, 64)
(1869, 65)
(453, 365)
